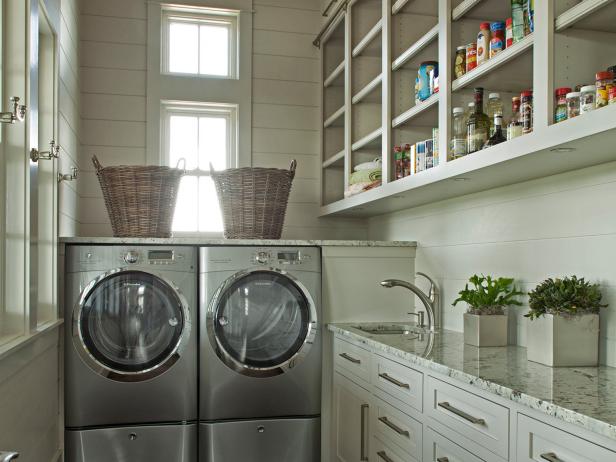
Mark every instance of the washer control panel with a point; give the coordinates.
(280, 257)
(155, 256)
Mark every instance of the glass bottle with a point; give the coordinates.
(478, 125)
(458, 140)
(495, 107)
(498, 137)
(514, 129)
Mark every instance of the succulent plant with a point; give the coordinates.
(489, 296)
(569, 296)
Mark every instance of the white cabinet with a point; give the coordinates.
(351, 418)
(352, 358)
(437, 448)
(398, 381)
(397, 429)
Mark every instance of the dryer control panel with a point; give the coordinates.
(237, 258)
(280, 257)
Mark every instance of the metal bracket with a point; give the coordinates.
(17, 115)
(53, 153)
(68, 176)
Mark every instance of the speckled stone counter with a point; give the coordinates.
(585, 396)
(216, 242)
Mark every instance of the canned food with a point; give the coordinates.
(612, 95)
(497, 41)
(471, 56)
(604, 83)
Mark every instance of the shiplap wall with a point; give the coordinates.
(286, 107)
(560, 225)
(69, 118)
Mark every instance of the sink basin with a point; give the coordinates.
(390, 329)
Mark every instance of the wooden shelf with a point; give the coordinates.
(415, 111)
(367, 39)
(369, 88)
(371, 140)
(583, 15)
(490, 66)
(332, 119)
(570, 145)
(333, 76)
(337, 160)
(415, 48)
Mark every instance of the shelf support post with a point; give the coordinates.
(386, 85)
(543, 65)
(348, 96)
(445, 79)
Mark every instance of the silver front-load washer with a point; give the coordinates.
(260, 354)
(130, 354)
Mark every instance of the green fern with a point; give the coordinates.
(489, 296)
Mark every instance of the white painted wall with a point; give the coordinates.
(560, 225)
(285, 104)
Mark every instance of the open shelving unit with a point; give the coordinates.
(387, 40)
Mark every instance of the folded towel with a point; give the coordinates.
(365, 176)
(361, 187)
(376, 163)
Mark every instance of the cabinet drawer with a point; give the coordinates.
(540, 442)
(352, 358)
(399, 381)
(439, 449)
(393, 426)
(478, 419)
(382, 452)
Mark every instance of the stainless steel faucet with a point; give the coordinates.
(8, 456)
(431, 300)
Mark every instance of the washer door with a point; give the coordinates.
(262, 322)
(130, 325)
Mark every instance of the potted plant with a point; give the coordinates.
(564, 322)
(485, 322)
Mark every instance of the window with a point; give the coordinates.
(200, 42)
(201, 134)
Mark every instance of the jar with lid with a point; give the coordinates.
(497, 40)
(587, 99)
(459, 67)
(604, 82)
(612, 95)
(458, 140)
(573, 104)
(527, 111)
(495, 107)
(483, 43)
(560, 106)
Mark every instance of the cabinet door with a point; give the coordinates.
(351, 418)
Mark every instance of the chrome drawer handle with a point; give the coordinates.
(464, 415)
(442, 459)
(394, 427)
(394, 381)
(350, 358)
(383, 455)
(362, 437)
(550, 457)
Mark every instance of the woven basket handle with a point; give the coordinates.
(182, 161)
(292, 168)
(97, 164)
(212, 168)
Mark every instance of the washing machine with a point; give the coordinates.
(131, 354)
(260, 354)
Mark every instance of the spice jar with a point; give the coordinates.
(560, 108)
(604, 82)
(612, 95)
(483, 43)
(527, 111)
(497, 40)
(573, 104)
(471, 56)
(508, 32)
(587, 99)
(459, 67)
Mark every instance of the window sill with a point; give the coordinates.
(20, 342)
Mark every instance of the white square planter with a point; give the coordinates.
(486, 330)
(559, 341)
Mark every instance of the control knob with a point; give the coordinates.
(262, 257)
(131, 257)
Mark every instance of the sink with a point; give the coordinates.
(390, 329)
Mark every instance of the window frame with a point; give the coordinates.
(200, 16)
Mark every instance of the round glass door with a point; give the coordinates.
(131, 322)
(261, 321)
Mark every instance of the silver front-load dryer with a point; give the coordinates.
(130, 352)
(260, 353)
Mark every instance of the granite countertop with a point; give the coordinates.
(231, 242)
(580, 395)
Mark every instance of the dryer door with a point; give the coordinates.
(262, 322)
(130, 325)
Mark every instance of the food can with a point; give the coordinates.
(612, 95)
(508, 32)
(471, 56)
(604, 83)
(497, 42)
(426, 74)
(459, 68)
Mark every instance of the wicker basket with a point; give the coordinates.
(253, 200)
(140, 200)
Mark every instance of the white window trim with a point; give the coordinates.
(228, 18)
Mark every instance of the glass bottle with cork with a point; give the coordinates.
(478, 125)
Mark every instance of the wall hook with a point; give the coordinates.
(53, 153)
(18, 114)
(68, 176)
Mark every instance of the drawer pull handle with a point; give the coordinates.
(550, 457)
(362, 429)
(383, 455)
(394, 427)
(442, 459)
(350, 358)
(390, 379)
(474, 420)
